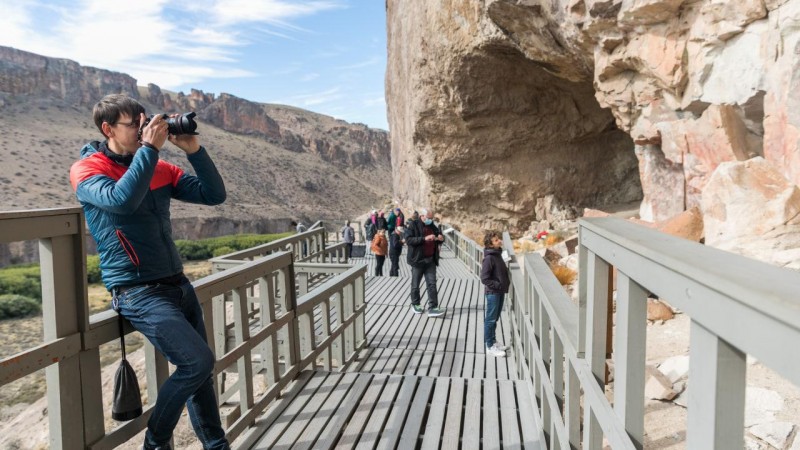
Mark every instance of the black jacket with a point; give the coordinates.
(415, 240)
(395, 244)
(494, 274)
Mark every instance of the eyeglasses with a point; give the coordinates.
(132, 125)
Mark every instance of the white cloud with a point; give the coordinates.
(152, 41)
(370, 62)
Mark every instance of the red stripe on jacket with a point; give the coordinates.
(100, 164)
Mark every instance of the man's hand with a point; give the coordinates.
(430, 237)
(440, 238)
(186, 142)
(155, 132)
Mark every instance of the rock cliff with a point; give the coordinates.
(500, 104)
(279, 163)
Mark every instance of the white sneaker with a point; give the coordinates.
(494, 351)
(501, 346)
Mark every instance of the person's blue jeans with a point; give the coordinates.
(172, 320)
(494, 304)
(429, 272)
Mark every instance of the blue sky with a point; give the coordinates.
(327, 56)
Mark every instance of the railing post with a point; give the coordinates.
(716, 399)
(290, 305)
(65, 312)
(630, 344)
(358, 300)
(596, 323)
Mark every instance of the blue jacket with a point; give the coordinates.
(127, 209)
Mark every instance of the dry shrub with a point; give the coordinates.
(553, 238)
(564, 274)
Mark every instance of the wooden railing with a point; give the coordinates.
(737, 307)
(270, 336)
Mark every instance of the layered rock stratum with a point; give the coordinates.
(279, 162)
(498, 106)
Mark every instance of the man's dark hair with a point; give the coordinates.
(110, 107)
(293, 223)
(487, 238)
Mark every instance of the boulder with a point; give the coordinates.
(750, 208)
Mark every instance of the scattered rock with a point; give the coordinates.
(675, 368)
(687, 225)
(775, 434)
(657, 386)
(761, 405)
(657, 310)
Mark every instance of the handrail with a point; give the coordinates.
(737, 307)
(326, 329)
(314, 238)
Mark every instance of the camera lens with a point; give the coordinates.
(183, 124)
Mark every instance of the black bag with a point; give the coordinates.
(127, 398)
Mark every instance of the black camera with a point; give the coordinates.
(183, 124)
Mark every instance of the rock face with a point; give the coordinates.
(279, 163)
(494, 102)
(482, 131)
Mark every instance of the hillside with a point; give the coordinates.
(278, 162)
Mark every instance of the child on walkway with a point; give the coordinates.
(380, 247)
(494, 276)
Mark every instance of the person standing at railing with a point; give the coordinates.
(494, 276)
(301, 229)
(125, 191)
(395, 250)
(370, 228)
(348, 237)
(423, 239)
(380, 247)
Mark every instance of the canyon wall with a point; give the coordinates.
(497, 106)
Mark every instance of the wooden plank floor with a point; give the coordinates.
(420, 383)
(367, 411)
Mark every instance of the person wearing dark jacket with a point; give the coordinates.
(125, 191)
(494, 276)
(380, 222)
(423, 239)
(395, 250)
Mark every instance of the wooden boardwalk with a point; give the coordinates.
(420, 383)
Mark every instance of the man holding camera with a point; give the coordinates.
(423, 239)
(125, 192)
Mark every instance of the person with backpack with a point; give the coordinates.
(494, 276)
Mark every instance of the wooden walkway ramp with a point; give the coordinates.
(420, 382)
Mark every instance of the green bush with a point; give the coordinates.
(22, 280)
(219, 251)
(217, 246)
(193, 250)
(12, 306)
(93, 269)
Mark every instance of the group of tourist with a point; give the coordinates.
(125, 190)
(423, 238)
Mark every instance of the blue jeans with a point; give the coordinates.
(429, 271)
(494, 304)
(172, 320)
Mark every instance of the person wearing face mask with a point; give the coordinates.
(423, 239)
